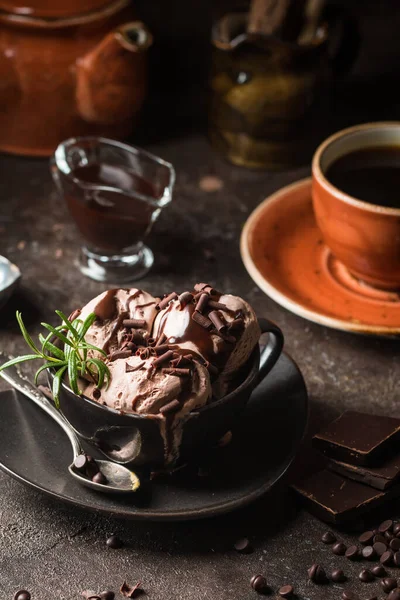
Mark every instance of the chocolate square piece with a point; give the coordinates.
(358, 438)
(381, 477)
(336, 499)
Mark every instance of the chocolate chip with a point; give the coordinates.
(385, 526)
(338, 576)
(317, 574)
(328, 538)
(100, 478)
(368, 552)
(396, 529)
(394, 544)
(379, 538)
(339, 549)
(396, 559)
(107, 595)
(80, 462)
(380, 548)
(286, 591)
(22, 595)
(379, 571)
(366, 537)
(114, 542)
(394, 594)
(348, 595)
(243, 546)
(387, 557)
(366, 576)
(96, 393)
(352, 553)
(258, 583)
(389, 583)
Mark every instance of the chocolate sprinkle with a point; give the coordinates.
(172, 406)
(217, 321)
(163, 358)
(177, 372)
(185, 298)
(130, 591)
(164, 303)
(202, 302)
(119, 354)
(134, 323)
(202, 320)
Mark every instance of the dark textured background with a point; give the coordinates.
(56, 551)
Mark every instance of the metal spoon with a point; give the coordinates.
(120, 480)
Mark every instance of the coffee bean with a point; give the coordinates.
(22, 595)
(317, 574)
(379, 571)
(396, 528)
(352, 553)
(99, 478)
(328, 538)
(388, 536)
(114, 542)
(396, 559)
(366, 576)
(258, 583)
(366, 537)
(368, 552)
(286, 591)
(339, 549)
(243, 546)
(80, 462)
(107, 595)
(348, 595)
(395, 544)
(387, 557)
(386, 526)
(394, 594)
(379, 548)
(388, 584)
(338, 576)
(379, 538)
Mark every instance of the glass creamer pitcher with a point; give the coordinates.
(114, 193)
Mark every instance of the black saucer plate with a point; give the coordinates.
(37, 453)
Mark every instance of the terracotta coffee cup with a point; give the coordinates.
(364, 237)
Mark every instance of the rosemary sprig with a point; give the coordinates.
(70, 357)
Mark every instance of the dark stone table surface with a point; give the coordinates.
(56, 551)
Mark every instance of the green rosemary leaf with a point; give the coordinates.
(72, 373)
(102, 370)
(90, 319)
(68, 324)
(58, 333)
(18, 360)
(47, 346)
(25, 334)
(44, 367)
(86, 346)
(57, 384)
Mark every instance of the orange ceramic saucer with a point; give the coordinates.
(283, 251)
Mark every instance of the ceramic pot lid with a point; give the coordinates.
(55, 9)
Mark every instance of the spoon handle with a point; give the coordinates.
(24, 386)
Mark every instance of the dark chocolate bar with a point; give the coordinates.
(381, 477)
(358, 438)
(336, 499)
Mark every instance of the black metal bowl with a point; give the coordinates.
(135, 440)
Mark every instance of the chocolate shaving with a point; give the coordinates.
(182, 359)
(202, 320)
(185, 298)
(170, 407)
(138, 338)
(74, 315)
(161, 349)
(164, 303)
(130, 368)
(217, 321)
(217, 305)
(134, 323)
(96, 393)
(144, 353)
(130, 591)
(151, 342)
(161, 339)
(197, 296)
(205, 287)
(211, 368)
(163, 358)
(202, 303)
(119, 354)
(177, 372)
